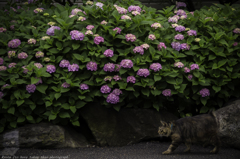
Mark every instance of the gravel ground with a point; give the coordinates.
(143, 150)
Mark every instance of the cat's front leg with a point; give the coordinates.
(171, 148)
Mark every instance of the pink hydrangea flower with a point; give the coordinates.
(138, 49)
(118, 30)
(167, 92)
(186, 70)
(156, 25)
(22, 55)
(143, 72)
(236, 30)
(204, 92)
(194, 66)
(104, 22)
(131, 79)
(108, 53)
(178, 64)
(1, 61)
(151, 36)
(90, 27)
(126, 63)
(91, 66)
(13, 64)
(3, 68)
(39, 54)
(130, 37)
(117, 77)
(126, 17)
(155, 67)
(98, 39)
(190, 77)
(84, 86)
(145, 46)
(38, 65)
(160, 45)
(135, 13)
(65, 85)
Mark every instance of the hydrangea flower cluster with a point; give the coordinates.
(31, 88)
(39, 54)
(84, 86)
(88, 32)
(174, 25)
(156, 25)
(185, 46)
(45, 37)
(12, 27)
(181, 4)
(179, 37)
(65, 85)
(143, 72)
(173, 19)
(13, 64)
(3, 68)
(145, 46)
(112, 98)
(204, 92)
(138, 49)
(167, 92)
(130, 37)
(176, 46)
(104, 22)
(10, 54)
(155, 67)
(31, 41)
(192, 33)
(131, 79)
(121, 10)
(22, 55)
(38, 65)
(236, 30)
(98, 39)
(108, 53)
(126, 17)
(117, 67)
(117, 91)
(40, 80)
(90, 27)
(178, 64)
(186, 70)
(75, 11)
(117, 77)
(51, 23)
(73, 67)
(105, 89)
(109, 67)
(3, 30)
(180, 28)
(190, 77)
(151, 36)
(1, 95)
(81, 18)
(126, 63)
(1, 61)
(235, 43)
(50, 31)
(14, 43)
(135, 13)
(108, 78)
(118, 30)
(180, 12)
(134, 8)
(194, 66)
(76, 35)
(5, 85)
(51, 68)
(91, 66)
(160, 45)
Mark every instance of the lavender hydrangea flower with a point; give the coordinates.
(1, 61)
(81, 18)
(126, 63)
(39, 54)
(25, 70)
(98, 39)
(131, 79)
(130, 37)
(160, 45)
(178, 64)
(176, 46)
(186, 70)
(22, 55)
(45, 37)
(3, 87)
(121, 10)
(204, 92)
(143, 72)
(38, 65)
(180, 28)
(109, 67)
(235, 43)
(76, 35)
(194, 66)
(73, 68)
(90, 27)
(40, 80)
(181, 4)
(138, 49)
(64, 63)
(51, 68)
(134, 8)
(173, 19)
(135, 13)
(155, 67)
(181, 12)
(108, 78)
(166, 92)
(179, 37)
(118, 30)
(117, 91)
(31, 88)
(50, 31)
(13, 64)
(108, 53)
(126, 17)
(190, 77)
(151, 36)
(145, 46)
(117, 67)
(104, 22)
(75, 11)
(185, 46)
(1, 95)
(156, 25)
(105, 89)
(192, 33)
(12, 27)
(99, 5)
(112, 98)
(84, 86)
(91, 66)
(117, 77)
(65, 85)
(3, 30)
(236, 30)
(14, 43)
(3, 68)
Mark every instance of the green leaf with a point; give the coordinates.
(156, 106)
(145, 91)
(204, 109)
(64, 115)
(19, 102)
(73, 109)
(75, 46)
(53, 50)
(156, 92)
(11, 110)
(66, 50)
(170, 80)
(59, 44)
(34, 80)
(48, 103)
(75, 123)
(136, 93)
(222, 41)
(216, 88)
(52, 117)
(222, 62)
(20, 119)
(17, 94)
(13, 124)
(120, 37)
(78, 57)
(122, 71)
(33, 106)
(157, 78)
(80, 104)
(57, 95)
(204, 101)
(42, 88)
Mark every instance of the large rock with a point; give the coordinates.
(43, 135)
(128, 126)
(228, 119)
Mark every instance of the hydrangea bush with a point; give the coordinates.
(53, 61)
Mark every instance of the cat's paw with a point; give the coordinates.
(166, 152)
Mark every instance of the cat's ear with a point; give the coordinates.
(163, 123)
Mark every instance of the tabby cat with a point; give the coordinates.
(201, 129)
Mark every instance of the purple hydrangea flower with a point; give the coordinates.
(181, 4)
(155, 67)
(235, 44)
(13, 64)
(121, 10)
(134, 8)
(186, 70)
(204, 92)
(108, 53)
(51, 68)
(50, 31)
(39, 54)
(73, 67)
(117, 77)
(109, 67)
(130, 37)
(76, 35)
(98, 39)
(194, 66)
(25, 70)
(112, 98)
(190, 77)
(1, 61)
(117, 67)
(22, 55)
(91, 66)
(12, 27)
(14, 43)
(131, 79)
(31, 41)
(145, 46)
(40, 80)
(179, 37)
(1, 95)
(75, 11)
(38, 65)
(90, 27)
(236, 30)
(3, 87)
(180, 28)
(64, 63)
(143, 72)
(126, 63)
(185, 46)
(160, 45)
(176, 46)
(118, 30)
(151, 36)
(105, 89)
(178, 64)
(126, 17)
(117, 91)
(99, 5)
(173, 19)
(65, 85)
(156, 25)
(166, 92)
(3, 68)
(192, 33)
(84, 86)
(31, 88)
(138, 49)
(135, 13)
(3, 30)
(181, 12)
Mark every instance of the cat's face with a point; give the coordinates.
(165, 129)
